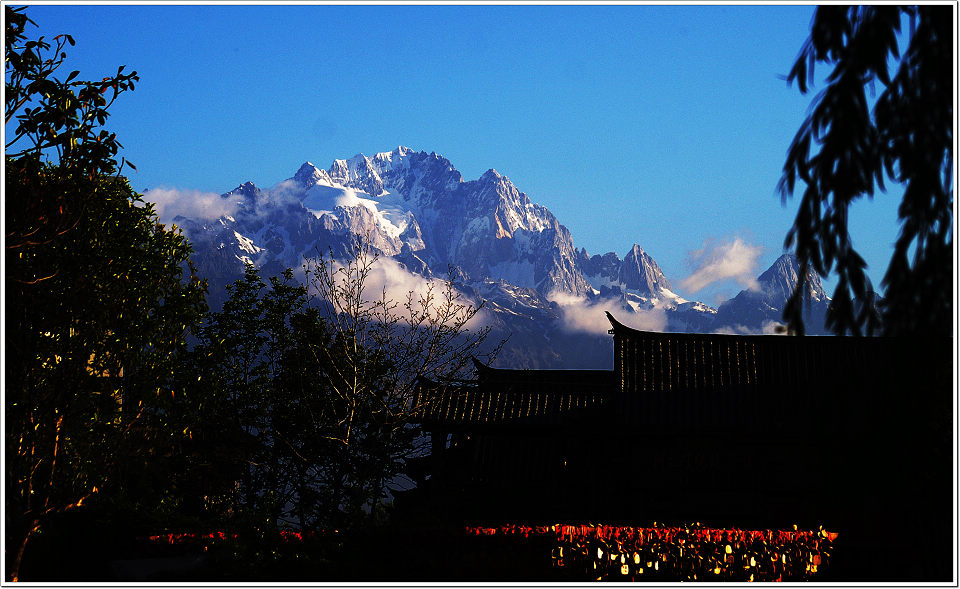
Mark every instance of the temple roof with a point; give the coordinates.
(506, 396)
(545, 380)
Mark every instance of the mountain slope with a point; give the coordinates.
(416, 209)
(762, 308)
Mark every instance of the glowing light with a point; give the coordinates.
(696, 551)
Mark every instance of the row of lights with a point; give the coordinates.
(689, 553)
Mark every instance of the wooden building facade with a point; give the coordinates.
(727, 429)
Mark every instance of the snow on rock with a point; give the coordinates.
(415, 207)
(246, 244)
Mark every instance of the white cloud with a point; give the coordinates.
(285, 191)
(281, 194)
(717, 261)
(388, 277)
(773, 328)
(581, 314)
(170, 202)
(646, 320)
(208, 206)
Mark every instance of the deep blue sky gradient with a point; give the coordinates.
(665, 126)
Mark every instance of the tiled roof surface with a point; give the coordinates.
(515, 396)
(672, 381)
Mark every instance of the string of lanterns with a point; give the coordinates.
(692, 552)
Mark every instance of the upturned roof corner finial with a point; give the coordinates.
(613, 322)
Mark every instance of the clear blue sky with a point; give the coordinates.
(665, 126)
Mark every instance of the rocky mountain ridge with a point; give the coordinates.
(416, 209)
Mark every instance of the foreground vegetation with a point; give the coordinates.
(129, 406)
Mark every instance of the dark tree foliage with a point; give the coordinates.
(56, 119)
(305, 396)
(243, 409)
(97, 307)
(843, 152)
(270, 394)
(92, 392)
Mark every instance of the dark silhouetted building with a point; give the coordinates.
(730, 430)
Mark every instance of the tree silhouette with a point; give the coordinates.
(907, 139)
(98, 304)
(311, 387)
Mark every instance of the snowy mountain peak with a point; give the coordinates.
(248, 189)
(388, 163)
(781, 278)
(763, 306)
(639, 272)
(400, 151)
(357, 173)
(497, 190)
(310, 175)
(491, 174)
(339, 170)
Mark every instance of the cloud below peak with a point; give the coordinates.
(579, 314)
(722, 260)
(170, 202)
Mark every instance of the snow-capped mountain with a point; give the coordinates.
(417, 209)
(637, 272)
(639, 283)
(762, 307)
(485, 227)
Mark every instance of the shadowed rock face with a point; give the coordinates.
(641, 273)
(604, 267)
(309, 175)
(755, 308)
